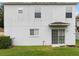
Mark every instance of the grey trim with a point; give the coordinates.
(58, 24)
(40, 3)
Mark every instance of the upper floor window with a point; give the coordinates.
(37, 14)
(20, 10)
(69, 12)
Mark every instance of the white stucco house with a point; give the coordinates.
(40, 23)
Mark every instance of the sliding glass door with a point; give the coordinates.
(58, 36)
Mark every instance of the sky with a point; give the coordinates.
(77, 8)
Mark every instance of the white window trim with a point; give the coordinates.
(20, 10)
(35, 33)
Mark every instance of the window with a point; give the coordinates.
(68, 14)
(37, 14)
(58, 36)
(61, 35)
(31, 31)
(20, 10)
(34, 32)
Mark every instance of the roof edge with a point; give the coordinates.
(40, 3)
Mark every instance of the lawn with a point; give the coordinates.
(40, 51)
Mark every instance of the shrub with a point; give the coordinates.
(5, 42)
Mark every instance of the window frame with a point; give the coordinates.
(20, 11)
(31, 32)
(37, 14)
(34, 32)
(59, 36)
(68, 14)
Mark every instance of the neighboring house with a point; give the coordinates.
(40, 23)
(77, 27)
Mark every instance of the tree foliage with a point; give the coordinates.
(2, 16)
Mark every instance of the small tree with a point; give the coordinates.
(2, 16)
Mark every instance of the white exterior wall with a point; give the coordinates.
(18, 26)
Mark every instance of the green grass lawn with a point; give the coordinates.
(40, 51)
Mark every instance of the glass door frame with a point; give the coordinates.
(58, 36)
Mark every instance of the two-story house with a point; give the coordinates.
(40, 23)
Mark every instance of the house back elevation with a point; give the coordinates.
(40, 23)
